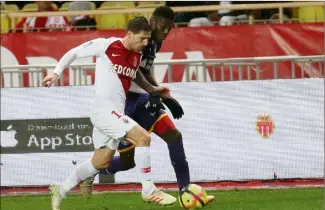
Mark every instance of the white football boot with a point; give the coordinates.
(156, 195)
(55, 197)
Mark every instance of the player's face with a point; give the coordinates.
(140, 40)
(161, 29)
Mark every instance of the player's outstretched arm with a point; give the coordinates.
(149, 76)
(144, 84)
(88, 49)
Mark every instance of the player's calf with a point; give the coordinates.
(166, 130)
(174, 141)
(141, 139)
(123, 162)
(127, 159)
(100, 160)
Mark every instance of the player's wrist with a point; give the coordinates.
(55, 74)
(152, 89)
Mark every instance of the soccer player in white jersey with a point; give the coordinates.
(116, 66)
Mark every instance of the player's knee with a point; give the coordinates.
(174, 136)
(144, 140)
(101, 164)
(138, 136)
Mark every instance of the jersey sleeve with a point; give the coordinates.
(91, 48)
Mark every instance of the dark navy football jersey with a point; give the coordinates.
(149, 55)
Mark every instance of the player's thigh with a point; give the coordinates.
(138, 136)
(102, 158)
(103, 140)
(159, 123)
(110, 128)
(166, 130)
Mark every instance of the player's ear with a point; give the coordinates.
(128, 34)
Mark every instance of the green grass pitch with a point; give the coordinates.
(253, 199)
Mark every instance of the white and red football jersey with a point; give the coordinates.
(116, 67)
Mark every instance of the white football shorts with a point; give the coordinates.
(110, 128)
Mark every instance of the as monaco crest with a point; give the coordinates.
(265, 125)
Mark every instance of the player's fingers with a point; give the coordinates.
(165, 88)
(44, 82)
(166, 94)
(47, 83)
(51, 82)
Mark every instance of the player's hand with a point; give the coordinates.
(163, 91)
(174, 107)
(154, 103)
(50, 79)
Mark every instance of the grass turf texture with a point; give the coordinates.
(259, 199)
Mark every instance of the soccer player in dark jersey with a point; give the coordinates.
(147, 110)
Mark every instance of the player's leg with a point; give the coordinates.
(126, 149)
(130, 131)
(150, 192)
(127, 129)
(159, 122)
(119, 163)
(101, 159)
(139, 137)
(166, 130)
(109, 128)
(124, 161)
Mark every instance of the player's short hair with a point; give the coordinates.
(164, 12)
(138, 24)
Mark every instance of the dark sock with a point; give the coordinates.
(179, 162)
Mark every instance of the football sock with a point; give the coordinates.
(82, 172)
(142, 161)
(179, 162)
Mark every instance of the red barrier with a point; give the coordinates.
(182, 43)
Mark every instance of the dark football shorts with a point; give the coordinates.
(135, 109)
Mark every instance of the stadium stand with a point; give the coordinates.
(107, 17)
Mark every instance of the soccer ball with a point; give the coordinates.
(193, 196)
